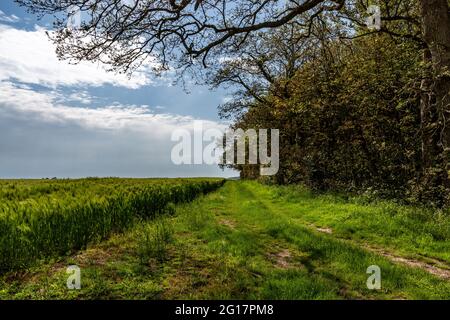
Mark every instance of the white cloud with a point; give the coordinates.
(41, 136)
(55, 131)
(47, 106)
(82, 97)
(5, 18)
(29, 57)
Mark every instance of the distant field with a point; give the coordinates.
(47, 218)
(245, 240)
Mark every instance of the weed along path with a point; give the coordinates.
(247, 241)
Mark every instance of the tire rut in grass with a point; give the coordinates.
(430, 268)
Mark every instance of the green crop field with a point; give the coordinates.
(47, 218)
(150, 239)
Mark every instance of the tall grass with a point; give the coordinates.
(153, 240)
(40, 219)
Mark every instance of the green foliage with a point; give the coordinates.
(350, 120)
(41, 219)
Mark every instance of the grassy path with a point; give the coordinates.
(241, 242)
(387, 243)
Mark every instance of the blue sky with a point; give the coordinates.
(62, 120)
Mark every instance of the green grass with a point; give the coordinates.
(414, 232)
(244, 241)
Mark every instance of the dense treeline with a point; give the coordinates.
(350, 119)
(41, 219)
(349, 114)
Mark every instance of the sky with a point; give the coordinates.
(72, 121)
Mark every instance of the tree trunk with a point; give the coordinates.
(435, 104)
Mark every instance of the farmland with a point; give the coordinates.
(247, 240)
(46, 218)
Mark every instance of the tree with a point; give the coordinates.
(351, 119)
(124, 33)
(435, 102)
(264, 65)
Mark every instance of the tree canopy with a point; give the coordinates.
(125, 33)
